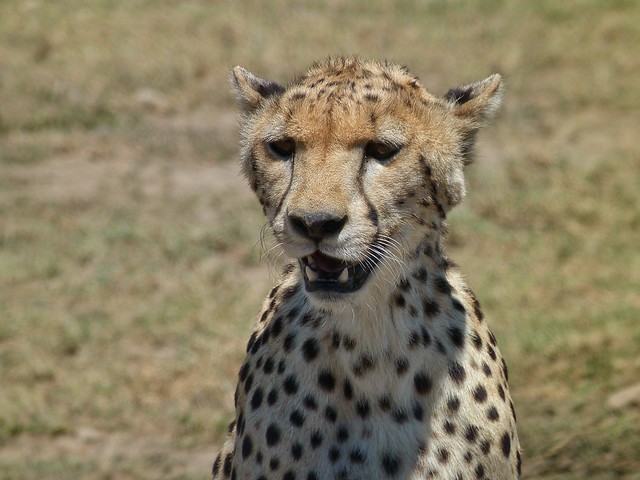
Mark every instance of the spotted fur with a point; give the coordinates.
(400, 378)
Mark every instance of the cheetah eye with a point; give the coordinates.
(380, 151)
(282, 149)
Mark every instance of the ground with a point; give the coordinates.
(130, 259)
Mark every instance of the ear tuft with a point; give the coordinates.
(250, 90)
(477, 102)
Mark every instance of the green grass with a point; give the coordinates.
(130, 267)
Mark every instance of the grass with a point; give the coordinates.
(130, 267)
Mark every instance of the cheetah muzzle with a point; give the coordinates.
(371, 357)
(325, 273)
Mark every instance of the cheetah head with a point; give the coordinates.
(356, 165)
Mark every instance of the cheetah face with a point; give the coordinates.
(355, 164)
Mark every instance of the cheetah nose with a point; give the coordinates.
(317, 226)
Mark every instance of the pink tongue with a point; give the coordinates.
(327, 264)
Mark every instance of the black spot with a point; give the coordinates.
(330, 413)
(268, 366)
(357, 456)
(276, 326)
(243, 372)
(240, 424)
(256, 399)
(290, 385)
(343, 434)
(272, 397)
(296, 418)
(477, 341)
(289, 475)
(442, 285)
(422, 382)
(402, 365)
(420, 274)
(297, 450)
(425, 337)
(385, 403)
(365, 363)
(335, 340)
(247, 447)
(281, 366)
(440, 347)
(289, 342)
(486, 369)
(272, 435)
(312, 476)
(334, 454)
(251, 341)
(492, 339)
(492, 414)
(216, 464)
(457, 305)
(390, 464)
(513, 410)
(453, 404)
(310, 402)
(479, 471)
(226, 467)
(457, 373)
(480, 394)
(418, 411)
(248, 383)
(399, 415)
(347, 390)
(256, 345)
(485, 447)
(290, 291)
(316, 439)
(274, 463)
(492, 352)
(349, 343)
(501, 393)
(371, 97)
(310, 349)
(326, 381)
(443, 455)
(505, 444)
(231, 426)
(456, 336)
(471, 433)
(362, 407)
(414, 339)
(519, 463)
(449, 427)
(298, 96)
(259, 457)
(404, 285)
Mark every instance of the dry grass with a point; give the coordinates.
(129, 264)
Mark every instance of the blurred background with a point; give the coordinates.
(130, 263)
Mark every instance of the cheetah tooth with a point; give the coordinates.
(311, 275)
(344, 276)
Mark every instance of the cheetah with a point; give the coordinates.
(371, 359)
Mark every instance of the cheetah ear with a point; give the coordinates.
(250, 90)
(477, 102)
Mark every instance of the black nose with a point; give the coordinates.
(317, 226)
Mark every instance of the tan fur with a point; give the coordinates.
(415, 307)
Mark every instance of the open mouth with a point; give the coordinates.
(324, 273)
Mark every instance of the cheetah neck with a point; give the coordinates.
(387, 316)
